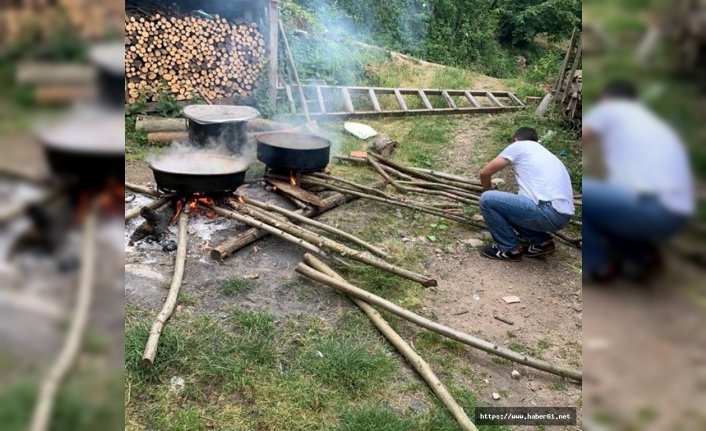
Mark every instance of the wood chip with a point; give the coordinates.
(511, 299)
(359, 154)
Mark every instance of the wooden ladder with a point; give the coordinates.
(332, 101)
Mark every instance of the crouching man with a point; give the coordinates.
(520, 223)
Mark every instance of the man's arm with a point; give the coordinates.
(495, 165)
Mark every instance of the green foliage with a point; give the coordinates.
(522, 20)
(345, 363)
(374, 418)
(544, 68)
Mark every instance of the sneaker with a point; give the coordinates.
(535, 250)
(493, 252)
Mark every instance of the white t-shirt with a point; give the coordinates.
(642, 153)
(541, 175)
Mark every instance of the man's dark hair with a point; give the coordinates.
(620, 89)
(525, 134)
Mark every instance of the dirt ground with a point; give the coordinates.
(546, 323)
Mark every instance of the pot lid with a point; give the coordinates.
(109, 57)
(199, 163)
(294, 141)
(83, 131)
(216, 114)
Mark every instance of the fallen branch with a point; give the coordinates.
(345, 251)
(29, 176)
(305, 220)
(371, 190)
(44, 406)
(576, 242)
(478, 343)
(154, 205)
(169, 304)
(414, 359)
(12, 212)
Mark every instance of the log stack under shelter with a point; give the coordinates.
(218, 51)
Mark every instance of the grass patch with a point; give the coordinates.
(236, 285)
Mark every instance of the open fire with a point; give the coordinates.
(197, 204)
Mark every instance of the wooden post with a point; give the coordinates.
(273, 15)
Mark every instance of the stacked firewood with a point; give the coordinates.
(91, 20)
(191, 57)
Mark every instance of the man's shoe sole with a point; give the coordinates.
(518, 259)
(541, 253)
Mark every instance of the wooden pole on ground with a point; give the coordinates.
(419, 364)
(469, 340)
(334, 246)
(170, 303)
(41, 416)
(311, 222)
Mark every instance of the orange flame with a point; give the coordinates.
(193, 204)
(292, 179)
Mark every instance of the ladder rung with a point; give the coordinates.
(448, 99)
(400, 100)
(320, 96)
(472, 99)
(425, 100)
(493, 99)
(347, 99)
(374, 99)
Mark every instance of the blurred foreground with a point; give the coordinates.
(644, 344)
(61, 222)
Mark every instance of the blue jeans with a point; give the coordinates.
(620, 224)
(508, 215)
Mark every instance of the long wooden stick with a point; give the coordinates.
(334, 246)
(41, 416)
(169, 304)
(448, 176)
(271, 228)
(425, 176)
(231, 245)
(419, 364)
(399, 203)
(371, 190)
(142, 189)
(306, 220)
(478, 343)
(386, 176)
(154, 205)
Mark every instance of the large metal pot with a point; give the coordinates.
(298, 152)
(88, 145)
(198, 173)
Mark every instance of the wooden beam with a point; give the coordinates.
(374, 100)
(448, 99)
(347, 100)
(401, 101)
(425, 99)
(273, 42)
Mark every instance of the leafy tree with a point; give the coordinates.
(522, 20)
